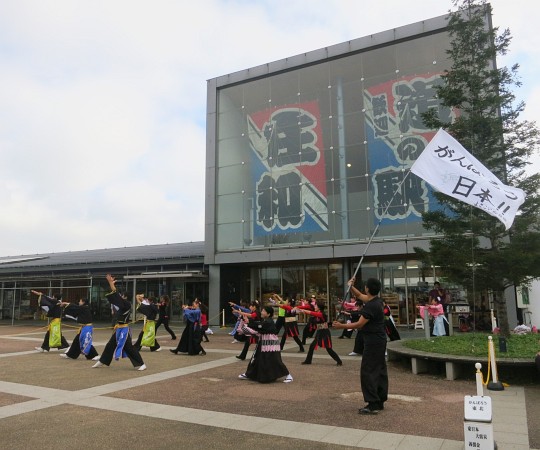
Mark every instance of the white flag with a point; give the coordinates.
(452, 170)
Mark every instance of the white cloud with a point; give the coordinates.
(102, 104)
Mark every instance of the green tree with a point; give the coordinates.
(475, 250)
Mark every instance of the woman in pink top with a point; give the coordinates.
(352, 310)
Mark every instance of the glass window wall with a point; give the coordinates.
(321, 152)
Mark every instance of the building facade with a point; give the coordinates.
(307, 170)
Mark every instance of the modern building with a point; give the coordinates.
(308, 169)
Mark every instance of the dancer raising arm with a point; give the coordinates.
(164, 315)
(291, 322)
(82, 343)
(53, 307)
(119, 345)
(252, 317)
(322, 337)
(147, 336)
(265, 365)
(190, 341)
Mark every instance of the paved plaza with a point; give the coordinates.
(198, 401)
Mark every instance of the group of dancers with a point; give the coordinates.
(255, 326)
(120, 344)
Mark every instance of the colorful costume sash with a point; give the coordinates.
(85, 338)
(122, 335)
(149, 334)
(55, 333)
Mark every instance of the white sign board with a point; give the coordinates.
(478, 408)
(479, 436)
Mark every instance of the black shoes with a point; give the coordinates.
(240, 358)
(371, 408)
(339, 363)
(203, 353)
(173, 351)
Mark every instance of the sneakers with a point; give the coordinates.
(288, 379)
(95, 358)
(63, 355)
(354, 354)
(242, 376)
(98, 364)
(39, 349)
(235, 341)
(370, 408)
(158, 350)
(143, 367)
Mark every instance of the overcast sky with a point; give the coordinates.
(103, 103)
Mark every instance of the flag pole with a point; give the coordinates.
(398, 189)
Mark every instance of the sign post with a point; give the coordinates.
(477, 424)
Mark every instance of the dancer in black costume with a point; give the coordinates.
(119, 344)
(266, 365)
(190, 341)
(82, 343)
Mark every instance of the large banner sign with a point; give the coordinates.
(451, 169)
(288, 169)
(393, 109)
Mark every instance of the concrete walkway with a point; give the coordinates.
(24, 395)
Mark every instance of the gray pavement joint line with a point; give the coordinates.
(53, 397)
(7, 355)
(286, 428)
(161, 376)
(27, 407)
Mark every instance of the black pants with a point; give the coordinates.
(296, 339)
(354, 318)
(75, 349)
(45, 345)
(245, 350)
(307, 333)
(330, 351)
(132, 353)
(347, 333)
(373, 372)
(280, 321)
(165, 322)
(138, 345)
(359, 343)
